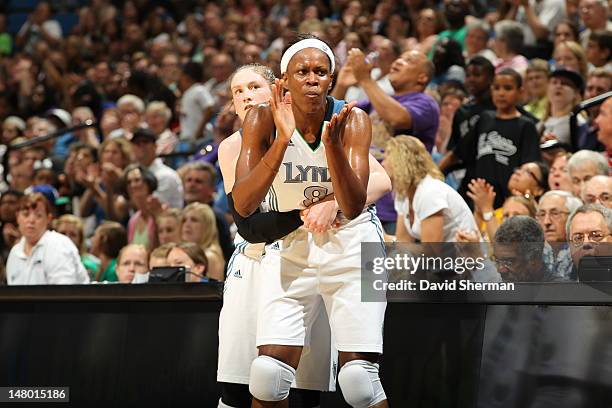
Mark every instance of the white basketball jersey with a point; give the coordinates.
(303, 178)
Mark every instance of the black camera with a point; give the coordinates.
(168, 274)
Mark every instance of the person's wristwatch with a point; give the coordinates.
(487, 216)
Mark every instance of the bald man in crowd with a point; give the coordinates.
(409, 110)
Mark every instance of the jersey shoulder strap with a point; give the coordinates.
(333, 106)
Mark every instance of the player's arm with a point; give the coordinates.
(347, 142)
(379, 182)
(229, 149)
(259, 160)
(267, 226)
(262, 154)
(258, 227)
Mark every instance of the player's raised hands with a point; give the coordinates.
(335, 128)
(280, 104)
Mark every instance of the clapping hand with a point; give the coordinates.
(346, 77)
(89, 176)
(483, 195)
(281, 111)
(358, 64)
(154, 207)
(546, 136)
(111, 175)
(467, 236)
(334, 132)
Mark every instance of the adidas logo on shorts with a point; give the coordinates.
(275, 245)
(237, 274)
(290, 143)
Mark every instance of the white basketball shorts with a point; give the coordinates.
(238, 327)
(305, 272)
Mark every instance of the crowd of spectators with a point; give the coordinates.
(484, 90)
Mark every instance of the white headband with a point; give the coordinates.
(307, 43)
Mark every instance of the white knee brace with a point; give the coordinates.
(270, 379)
(360, 384)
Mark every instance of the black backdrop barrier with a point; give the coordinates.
(156, 345)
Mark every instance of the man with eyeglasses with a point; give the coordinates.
(518, 249)
(598, 190)
(553, 209)
(588, 230)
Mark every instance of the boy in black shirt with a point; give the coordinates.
(479, 75)
(501, 140)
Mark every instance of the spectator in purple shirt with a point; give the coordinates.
(408, 111)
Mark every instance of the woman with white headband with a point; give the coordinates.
(296, 152)
(250, 86)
